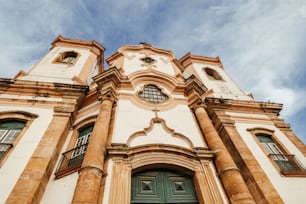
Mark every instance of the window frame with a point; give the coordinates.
(22, 116)
(64, 55)
(149, 102)
(212, 74)
(281, 153)
(7, 139)
(64, 168)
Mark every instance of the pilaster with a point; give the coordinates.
(33, 180)
(231, 178)
(90, 175)
(258, 183)
(121, 182)
(91, 172)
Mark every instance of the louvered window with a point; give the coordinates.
(9, 130)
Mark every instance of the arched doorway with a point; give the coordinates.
(162, 186)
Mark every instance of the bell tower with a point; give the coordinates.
(69, 61)
(210, 71)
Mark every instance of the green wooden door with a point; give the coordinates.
(162, 186)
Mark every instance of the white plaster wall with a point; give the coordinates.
(19, 157)
(226, 88)
(60, 191)
(163, 63)
(182, 120)
(291, 189)
(131, 119)
(94, 71)
(48, 71)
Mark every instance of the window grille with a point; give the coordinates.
(153, 94)
(73, 158)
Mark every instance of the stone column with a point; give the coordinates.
(90, 175)
(33, 180)
(231, 178)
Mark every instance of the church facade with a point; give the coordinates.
(150, 128)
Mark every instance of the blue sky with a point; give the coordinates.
(261, 43)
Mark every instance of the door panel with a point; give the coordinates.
(161, 186)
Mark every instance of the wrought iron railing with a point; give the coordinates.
(4, 147)
(288, 164)
(71, 160)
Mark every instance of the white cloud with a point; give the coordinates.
(259, 42)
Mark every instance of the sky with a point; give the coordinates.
(262, 44)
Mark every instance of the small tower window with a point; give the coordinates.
(153, 94)
(68, 57)
(212, 74)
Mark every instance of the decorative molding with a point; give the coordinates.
(194, 89)
(93, 45)
(193, 162)
(71, 90)
(108, 82)
(5, 83)
(170, 131)
(147, 49)
(189, 58)
(122, 150)
(18, 114)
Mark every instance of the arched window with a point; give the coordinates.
(212, 74)
(162, 186)
(153, 94)
(73, 158)
(69, 57)
(9, 131)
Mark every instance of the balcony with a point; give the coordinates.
(289, 165)
(71, 161)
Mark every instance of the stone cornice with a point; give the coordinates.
(187, 59)
(70, 90)
(194, 89)
(146, 46)
(242, 105)
(93, 45)
(108, 82)
(113, 57)
(122, 150)
(28, 88)
(5, 83)
(64, 108)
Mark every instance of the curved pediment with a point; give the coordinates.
(159, 133)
